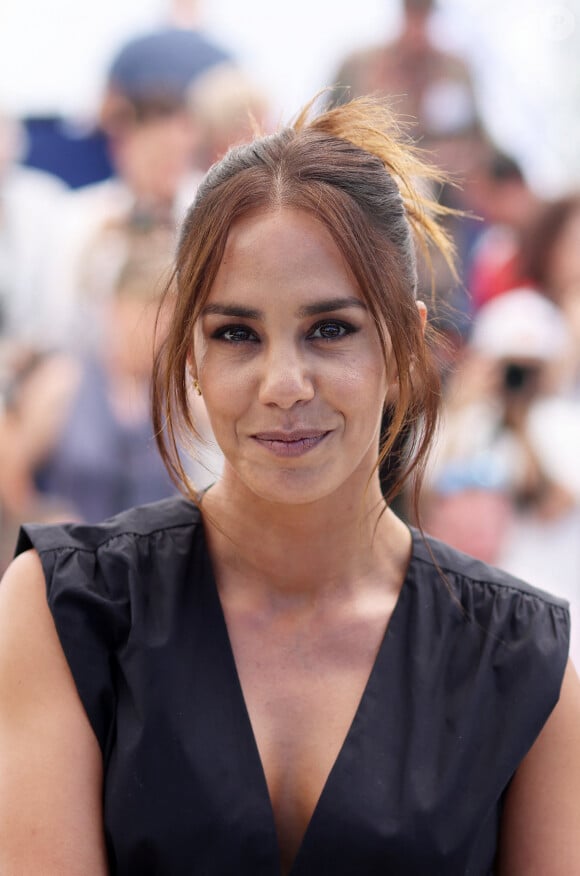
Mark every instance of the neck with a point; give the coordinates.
(302, 551)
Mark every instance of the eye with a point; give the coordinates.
(331, 329)
(235, 334)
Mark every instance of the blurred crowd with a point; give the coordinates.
(82, 270)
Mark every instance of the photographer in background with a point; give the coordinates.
(504, 480)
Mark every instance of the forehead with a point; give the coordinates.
(278, 225)
(282, 248)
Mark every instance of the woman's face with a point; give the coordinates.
(289, 362)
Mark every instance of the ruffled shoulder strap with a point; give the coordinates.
(97, 579)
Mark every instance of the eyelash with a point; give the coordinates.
(222, 333)
(346, 327)
(251, 337)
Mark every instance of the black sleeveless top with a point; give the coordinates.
(468, 671)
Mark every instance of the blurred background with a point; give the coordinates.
(53, 58)
(110, 114)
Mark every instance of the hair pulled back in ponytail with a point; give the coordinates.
(351, 168)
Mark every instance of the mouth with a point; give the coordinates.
(291, 444)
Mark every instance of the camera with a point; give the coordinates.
(520, 378)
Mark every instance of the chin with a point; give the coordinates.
(293, 487)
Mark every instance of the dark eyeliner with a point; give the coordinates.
(221, 332)
(348, 328)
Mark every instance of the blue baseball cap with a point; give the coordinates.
(162, 64)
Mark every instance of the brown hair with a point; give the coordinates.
(352, 169)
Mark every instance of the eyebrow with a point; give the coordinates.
(331, 304)
(327, 306)
(237, 310)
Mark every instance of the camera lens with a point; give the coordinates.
(520, 378)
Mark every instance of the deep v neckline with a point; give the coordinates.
(353, 728)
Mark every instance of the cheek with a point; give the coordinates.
(364, 387)
(377, 373)
(220, 381)
(226, 393)
(363, 382)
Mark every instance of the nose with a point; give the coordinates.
(286, 380)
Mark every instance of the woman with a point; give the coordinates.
(281, 677)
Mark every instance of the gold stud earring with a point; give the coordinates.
(196, 386)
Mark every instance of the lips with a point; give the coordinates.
(291, 444)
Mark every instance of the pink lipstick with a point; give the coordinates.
(290, 444)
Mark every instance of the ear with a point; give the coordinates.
(421, 307)
(191, 364)
(392, 382)
(393, 377)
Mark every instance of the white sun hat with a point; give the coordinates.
(521, 324)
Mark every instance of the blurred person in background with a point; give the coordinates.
(433, 93)
(152, 140)
(75, 433)
(498, 192)
(552, 260)
(430, 87)
(227, 107)
(504, 480)
(102, 457)
(33, 392)
(29, 200)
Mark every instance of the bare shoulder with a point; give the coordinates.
(540, 823)
(50, 762)
(30, 653)
(22, 593)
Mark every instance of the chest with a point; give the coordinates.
(232, 756)
(302, 684)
